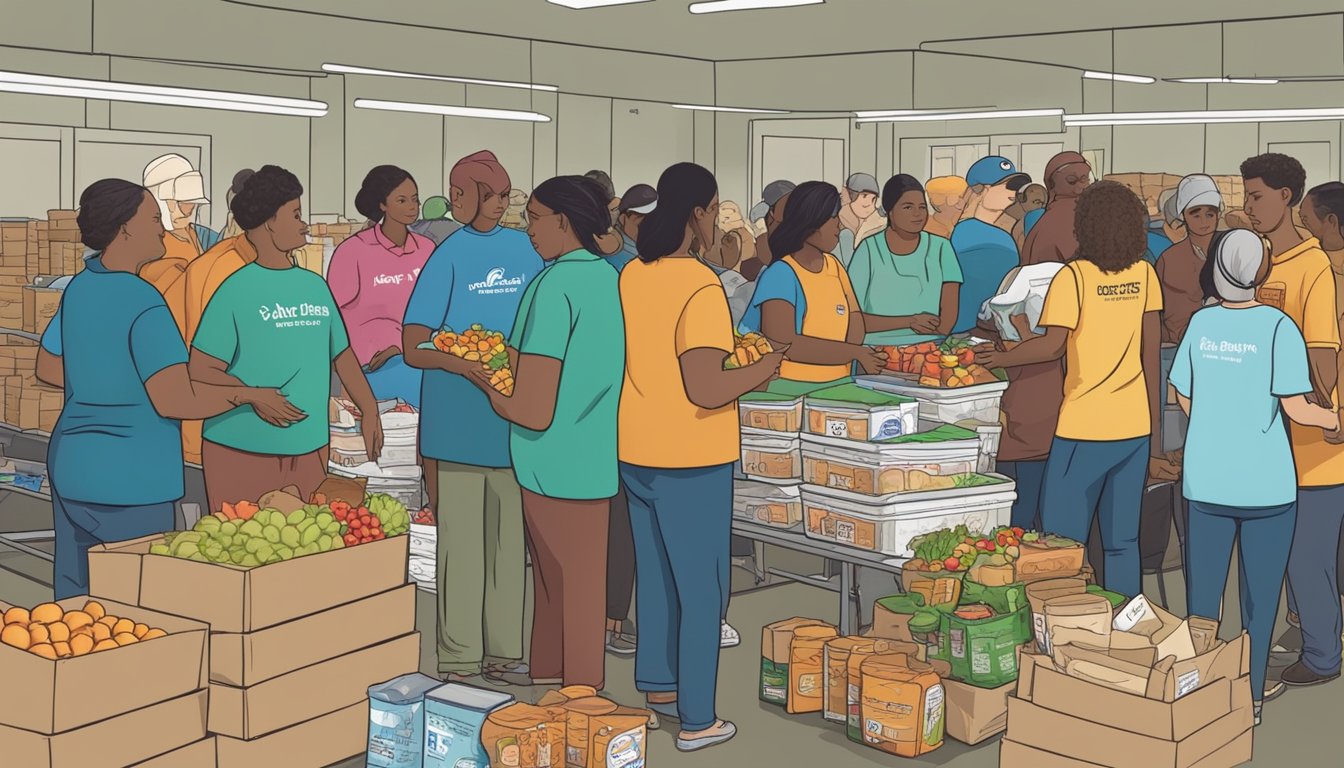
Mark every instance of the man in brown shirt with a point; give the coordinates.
(1199, 205)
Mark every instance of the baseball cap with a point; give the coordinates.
(769, 196)
(171, 177)
(1240, 254)
(640, 198)
(994, 170)
(863, 182)
(1196, 190)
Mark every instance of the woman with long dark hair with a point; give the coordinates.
(567, 353)
(372, 276)
(680, 485)
(116, 452)
(804, 298)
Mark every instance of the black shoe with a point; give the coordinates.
(1300, 675)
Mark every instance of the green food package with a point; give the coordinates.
(983, 652)
(1116, 598)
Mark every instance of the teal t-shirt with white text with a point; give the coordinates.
(274, 328)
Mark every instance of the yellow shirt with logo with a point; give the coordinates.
(1302, 284)
(671, 306)
(1105, 391)
(830, 303)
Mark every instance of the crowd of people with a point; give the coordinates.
(612, 463)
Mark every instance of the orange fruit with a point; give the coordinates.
(140, 630)
(108, 621)
(125, 638)
(123, 627)
(101, 632)
(153, 633)
(44, 650)
(47, 613)
(62, 650)
(85, 631)
(81, 644)
(77, 619)
(17, 616)
(16, 636)
(95, 609)
(38, 634)
(59, 632)
(105, 645)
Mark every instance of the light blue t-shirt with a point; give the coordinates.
(472, 277)
(900, 285)
(777, 281)
(1157, 245)
(1234, 365)
(628, 253)
(986, 254)
(109, 445)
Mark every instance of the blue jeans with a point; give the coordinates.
(1029, 476)
(681, 520)
(1263, 537)
(396, 380)
(80, 525)
(1313, 580)
(1105, 478)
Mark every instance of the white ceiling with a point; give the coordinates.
(838, 26)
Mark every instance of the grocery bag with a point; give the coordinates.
(397, 722)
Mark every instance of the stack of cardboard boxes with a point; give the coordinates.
(1150, 186)
(29, 404)
(294, 645)
(142, 704)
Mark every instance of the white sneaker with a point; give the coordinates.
(728, 637)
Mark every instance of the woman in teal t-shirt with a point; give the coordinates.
(907, 280)
(567, 354)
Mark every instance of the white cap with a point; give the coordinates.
(171, 177)
(1197, 190)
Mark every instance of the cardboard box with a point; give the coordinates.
(198, 755)
(323, 740)
(248, 659)
(126, 739)
(245, 599)
(248, 713)
(1015, 755)
(39, 306)
(775, 639)
(46, 696)
(1080, 739)
(975, 714)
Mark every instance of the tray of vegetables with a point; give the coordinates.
(1005, 555)
(947, 365)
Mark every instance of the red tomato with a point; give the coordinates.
(351, 540)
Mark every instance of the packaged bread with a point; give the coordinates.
(1041, 591)
(775, 641)
(578, 727)
(858, 655)
(618, 739)
(524, 736)
(1080, 619)
(902, 708)
(807, 681)
(559, 696)
(836, 661)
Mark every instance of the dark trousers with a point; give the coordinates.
(1313, 579)
(81, 525)
(620, 560)
(1030, 477)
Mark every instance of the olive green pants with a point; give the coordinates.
(482, 567)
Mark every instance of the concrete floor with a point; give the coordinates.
(767, 736)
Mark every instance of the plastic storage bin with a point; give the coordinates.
(887, 524)
(770, 411)
(979, 402)
(890, 466)
(771, 456)
(778, 506)
(851, 412)
(990, 436)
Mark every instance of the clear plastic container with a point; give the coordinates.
(770, 411)
(887, 524)
(890, 466)
(978, 402)
(778, 506)
(771, 456)
(851, 412)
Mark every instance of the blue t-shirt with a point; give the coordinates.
(1234, 365)
(628, 253)
(1157, 245)
(777, 281)
(110, 446)
(986, 254)
(1031, 218)
(472, 277)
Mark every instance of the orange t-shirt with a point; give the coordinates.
(166, 274)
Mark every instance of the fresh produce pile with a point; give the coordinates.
(958, 549)
(947, 365)
(747, 349)
(52, 632)
(424, 517)
(270, 535)
(478, 345)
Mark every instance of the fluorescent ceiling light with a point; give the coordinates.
(900, 112)
(743, 110)
(342, 69)
(580, 5)
(1119, 78)
(1207, 117)
(941, 116)
(719, 6)
(18, 82)
(443, 109)
(1233, 80)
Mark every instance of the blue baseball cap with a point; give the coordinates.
(994, 170)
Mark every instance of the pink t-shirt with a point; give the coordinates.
(371, 280)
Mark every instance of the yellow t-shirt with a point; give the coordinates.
(830, 300)
(671, 306)
(1105, 392)
(1302, 284)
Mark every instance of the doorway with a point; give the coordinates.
(802, 159)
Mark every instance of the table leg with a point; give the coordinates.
(849, 600)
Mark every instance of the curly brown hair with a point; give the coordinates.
(1110, 224)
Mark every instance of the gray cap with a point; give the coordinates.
(863, 182)
(1197, 190)
(1237, 264)
(640, 198)
(772, 194)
